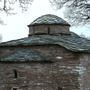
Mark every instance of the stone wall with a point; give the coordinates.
(40, 29)
(84, 72)
(63, 72)
(48, 29)
(59, 29)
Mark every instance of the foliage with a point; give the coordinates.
(77, 11)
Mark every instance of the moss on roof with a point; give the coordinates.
(71, 42)
(49, 19)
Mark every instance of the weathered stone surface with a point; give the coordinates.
(48, 29)
(25, 55)
(63, 72)
(49, 19)
(71, 42)
(49, 24)
(46, 62)
(84, 72)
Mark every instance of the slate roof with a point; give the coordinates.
(25, 55)
(49, 19)
(71, 42)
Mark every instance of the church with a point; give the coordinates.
(50, 58)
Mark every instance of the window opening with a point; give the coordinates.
(15, 74)
(48, 30)
(59, 88)
(14, 88)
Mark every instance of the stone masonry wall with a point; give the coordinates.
(84, 72)
(43, 29)
(63, 72)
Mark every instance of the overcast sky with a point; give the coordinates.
(16, 25)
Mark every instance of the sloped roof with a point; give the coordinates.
(49, 19)
(71, 42)
(25, 55)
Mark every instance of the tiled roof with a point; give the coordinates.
(49, 19)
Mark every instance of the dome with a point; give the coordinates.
(49, 19)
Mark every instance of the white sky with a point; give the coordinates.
(16, 25)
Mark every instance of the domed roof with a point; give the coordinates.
(49, 19)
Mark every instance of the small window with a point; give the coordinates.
(59, 88)
(14, 89)
(15, 74)
(48, 30)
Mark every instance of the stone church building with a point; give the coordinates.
(50, 58)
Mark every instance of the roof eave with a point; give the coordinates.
(48, 24)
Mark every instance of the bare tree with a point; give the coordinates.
(7, 5)
(76, 11)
